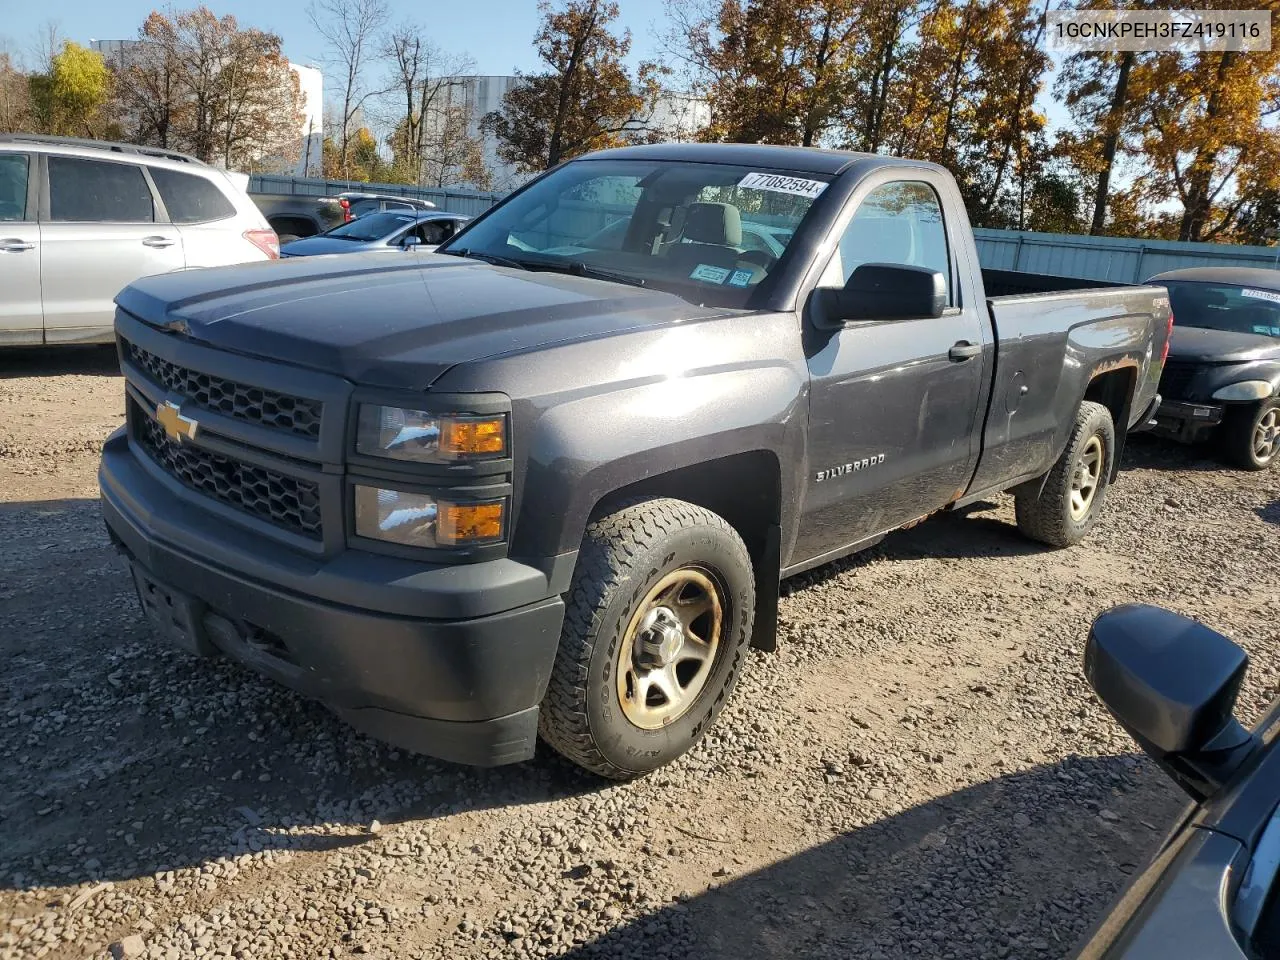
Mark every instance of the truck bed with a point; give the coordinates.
(1013, 283)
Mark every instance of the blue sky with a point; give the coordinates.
(497, 33)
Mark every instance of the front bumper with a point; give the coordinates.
(451, 661)
(1187, 422)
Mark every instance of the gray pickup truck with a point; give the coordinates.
(531, 486)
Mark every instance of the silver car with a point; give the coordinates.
(380, 231)
(82, 219)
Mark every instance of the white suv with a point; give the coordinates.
(82, 219)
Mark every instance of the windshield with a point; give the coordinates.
(708, 232)
(374, 226)
(1225, 307)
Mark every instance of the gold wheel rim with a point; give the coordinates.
(1086, 478)
(669, 648)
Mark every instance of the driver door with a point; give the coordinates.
(893, 405)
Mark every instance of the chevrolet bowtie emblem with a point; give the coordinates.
(176, 426)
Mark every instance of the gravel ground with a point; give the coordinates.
(920, 771)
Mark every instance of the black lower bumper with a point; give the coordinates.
(1187, 422)
(465, 690)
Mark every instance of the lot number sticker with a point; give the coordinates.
(704, 271)
(1271, 295)
(776, 183)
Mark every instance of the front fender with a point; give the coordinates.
(588, 447)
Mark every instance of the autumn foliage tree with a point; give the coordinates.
(197, 82)
(584, 99)
(70, 99)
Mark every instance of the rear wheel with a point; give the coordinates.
(1251, 435)
(655, 634)
(1061, 507)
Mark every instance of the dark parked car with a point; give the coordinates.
(1210, 893)
(380, 232)
(1222, 379)
(472, 496)
(294, 216)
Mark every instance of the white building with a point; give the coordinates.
(311, 131)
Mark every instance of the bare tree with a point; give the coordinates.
(350, 28)
(427, 118)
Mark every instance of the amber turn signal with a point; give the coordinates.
(463, 524)
(465, 437)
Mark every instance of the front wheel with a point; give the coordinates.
(1061, 507)
(656, 627)
(1251, 436)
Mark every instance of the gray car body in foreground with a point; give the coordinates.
(812, 441)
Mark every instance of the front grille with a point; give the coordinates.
(288, 502)
(1175, 382)
(279, 411)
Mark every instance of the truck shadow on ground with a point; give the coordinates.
(125, 758)
(1270, 513)
(122, 758)
(933, 879)
(85, 360)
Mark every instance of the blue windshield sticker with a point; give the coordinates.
(740, 278)
(1265, 330)
(705, 271)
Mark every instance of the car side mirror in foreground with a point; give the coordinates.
(1172, 684)
(411, 241)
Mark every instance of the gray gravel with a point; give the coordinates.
(920, 771)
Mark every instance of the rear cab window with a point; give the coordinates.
(14, 172)
(97, 191)
(189, 198)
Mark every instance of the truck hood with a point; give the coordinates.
(1202, 345)
(397, 322)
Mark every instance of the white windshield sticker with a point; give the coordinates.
(776, 183)
(1272, 295)
(705, 271)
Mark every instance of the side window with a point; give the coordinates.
(434, 231)
(191, 199)
(394, 205)
(898, 223)
(93, 191)
(13, 186)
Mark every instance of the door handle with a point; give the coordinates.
(157, 242)
(963, 350)
(15, 246)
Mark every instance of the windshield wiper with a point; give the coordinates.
(493, 258)
(579, 268)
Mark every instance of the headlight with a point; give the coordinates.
(401, 434)
(1244, 390)
(420, 520)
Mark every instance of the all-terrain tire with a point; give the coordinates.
(1044, 506)
(1239, 435)
(623, 556)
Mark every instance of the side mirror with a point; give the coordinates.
(1172, 684)
(886, 291)
(410, 241)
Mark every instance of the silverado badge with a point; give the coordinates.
(176, 426)
(832, 472)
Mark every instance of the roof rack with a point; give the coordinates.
(111, 145)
